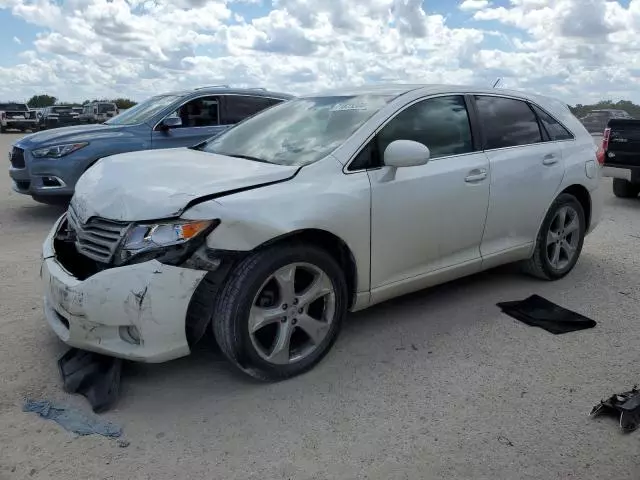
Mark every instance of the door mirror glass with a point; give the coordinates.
(406, 153)
(172, 122)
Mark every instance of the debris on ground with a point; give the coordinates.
(72, 420)
(95, 376)
(626, 405)
(540, 312)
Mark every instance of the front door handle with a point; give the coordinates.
(550, 159)
(476, 175)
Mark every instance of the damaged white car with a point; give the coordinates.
(272, 231)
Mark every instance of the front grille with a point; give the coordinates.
(97, 239)
(17, 158)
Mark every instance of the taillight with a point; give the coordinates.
(605, 139)
(600, 156)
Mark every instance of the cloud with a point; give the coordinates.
(576, 49)
(17, 40)
(472, 5)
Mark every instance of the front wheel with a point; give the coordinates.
(559, 241)
(280, 311)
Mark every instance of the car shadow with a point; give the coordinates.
(207, 372)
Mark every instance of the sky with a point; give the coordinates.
(579, 51)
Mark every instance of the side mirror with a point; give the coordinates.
(406, 153)
(170, 122)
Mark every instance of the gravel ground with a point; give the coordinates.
(436, 384)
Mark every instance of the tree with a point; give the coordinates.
(124, 103)
(41, 101)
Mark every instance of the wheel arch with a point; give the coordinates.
(332, 244)
(584, 197)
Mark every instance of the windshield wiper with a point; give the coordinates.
(245, 157)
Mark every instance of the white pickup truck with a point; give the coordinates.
(17, 116)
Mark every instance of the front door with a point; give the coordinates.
(200, 121)
(428, 217)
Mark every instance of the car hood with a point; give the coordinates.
(156, 184)
(78, 133)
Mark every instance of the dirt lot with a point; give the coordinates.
(435, 385)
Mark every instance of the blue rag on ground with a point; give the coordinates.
(72, 420)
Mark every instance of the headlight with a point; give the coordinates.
(58, 151)
(151, 240)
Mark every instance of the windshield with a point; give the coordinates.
(106, 107)
(144, 111)
(13, 107)
(297, 132)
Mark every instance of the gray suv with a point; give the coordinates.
(47, 165)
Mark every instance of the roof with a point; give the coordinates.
(223, 89)
(398, 89)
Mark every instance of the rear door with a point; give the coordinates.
(526, 172)
(200, 120)
(236, 108)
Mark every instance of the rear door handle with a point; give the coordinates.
(476, 175)
(550, 159)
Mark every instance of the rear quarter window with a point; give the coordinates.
(554, 129)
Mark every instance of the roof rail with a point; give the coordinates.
(212, 86)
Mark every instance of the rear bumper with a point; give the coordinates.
(625, 172)
(21, 123)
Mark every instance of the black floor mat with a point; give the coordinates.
(95, 376)
(539, 312)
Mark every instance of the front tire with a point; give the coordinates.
(280, 311)
(625, 189)
(559, 241)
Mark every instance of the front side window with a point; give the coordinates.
(199, 112)
(239, 107)
(440, 123)
(298, 132)
(507, 122)
(555, 130)
(143, 112)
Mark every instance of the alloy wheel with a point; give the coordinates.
(563, 237)
(292, 313)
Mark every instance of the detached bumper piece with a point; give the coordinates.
(540, 312)
(625, 405)
(94, 376)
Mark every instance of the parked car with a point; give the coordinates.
(47, 165)
(270, 232)
(621, 146)
(16, 116)
(596, 120)
(58, 116)
(98, 112)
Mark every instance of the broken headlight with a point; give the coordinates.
(168, 242)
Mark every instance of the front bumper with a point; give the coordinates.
(97, 314)
(46, 176)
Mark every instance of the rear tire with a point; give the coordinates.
(256, 313)
(559, 241)
(625, 189)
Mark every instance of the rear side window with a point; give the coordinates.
(237, 108)
(507, 122)
(553, 128)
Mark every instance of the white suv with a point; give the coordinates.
(273, 230)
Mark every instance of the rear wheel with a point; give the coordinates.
(280, 311)
(560, 239)
(625, 189)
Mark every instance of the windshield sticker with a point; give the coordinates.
(345, 107)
